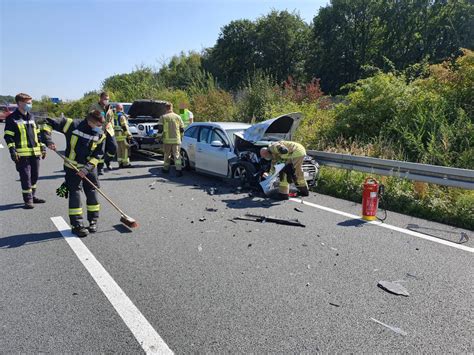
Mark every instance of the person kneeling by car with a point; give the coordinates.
(85, 142)
(292, 154)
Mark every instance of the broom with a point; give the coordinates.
(127, 220)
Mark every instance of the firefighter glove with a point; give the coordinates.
(14, 155)
(62, 191)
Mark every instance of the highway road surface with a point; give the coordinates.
(193, 280)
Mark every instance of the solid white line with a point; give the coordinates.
(388, 226)
(145, 334)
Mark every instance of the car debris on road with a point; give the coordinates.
(263, 219)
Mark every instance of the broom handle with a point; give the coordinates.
(93, 185)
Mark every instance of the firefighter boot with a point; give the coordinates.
(38, 200)
(92, 226)
(29, 205)
(80, 231)
(303, 191)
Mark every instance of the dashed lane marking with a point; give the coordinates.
(388, 226)
(145, 334)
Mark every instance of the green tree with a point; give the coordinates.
(282, 41)
(234, 55)
(181, 70)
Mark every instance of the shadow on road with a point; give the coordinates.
(19, 240)
(11, 206)
(352, 223)
(250, 202)
(51, 177)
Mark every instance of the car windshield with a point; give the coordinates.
(231, 132)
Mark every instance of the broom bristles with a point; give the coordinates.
(129, 221)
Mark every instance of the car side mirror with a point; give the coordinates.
(217, 144)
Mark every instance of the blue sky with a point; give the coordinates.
(66, 48)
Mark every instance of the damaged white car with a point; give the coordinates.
(232, 150)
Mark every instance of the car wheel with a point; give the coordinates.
(243, 173)
(185, 160)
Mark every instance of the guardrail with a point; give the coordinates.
(441, 175)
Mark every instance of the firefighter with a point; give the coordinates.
(123, 137)
(292, 154)
(186, 115)
(173, 127)
(105, 109)
(21, 136)
(84, 149)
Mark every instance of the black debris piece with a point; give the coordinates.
(202, 219)
(263, 219)
(335, 305)
(298, 209)
(209, 209)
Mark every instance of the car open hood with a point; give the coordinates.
(280, 128)
(147, 108)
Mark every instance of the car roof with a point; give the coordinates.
(223, 125)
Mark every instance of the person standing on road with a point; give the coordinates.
(105, 109)
(292, 154)
(21, 136)
(123, 137)
(84, 149)
(186, 115)
(173, 127)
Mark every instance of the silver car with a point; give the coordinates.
(209, 147)
(232, 150)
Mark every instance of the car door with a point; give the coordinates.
(216, 160)
(189, 143)
(202, 147)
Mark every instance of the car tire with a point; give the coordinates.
(243, 173)
(185, 160)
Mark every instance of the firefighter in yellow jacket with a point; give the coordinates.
(173, 128)
(103, 106)
(123, 137)
(292, 154)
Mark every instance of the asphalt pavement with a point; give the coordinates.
(207, 283)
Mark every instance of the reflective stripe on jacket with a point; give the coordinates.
(172, 126)
(21, 134)
(121, 127)
(84, 147)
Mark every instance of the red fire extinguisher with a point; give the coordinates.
(370, 199)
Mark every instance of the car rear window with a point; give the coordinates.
(192, 132)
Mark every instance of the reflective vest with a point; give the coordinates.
(121, 127)
(186, 116)
(21, 134)
(172, 126)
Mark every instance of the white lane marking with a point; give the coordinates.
(1, 146)
(388, 226)
(145, 334)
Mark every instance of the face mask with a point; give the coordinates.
(267, 157)
(97, 130)
(106, 102)
(27, 107)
